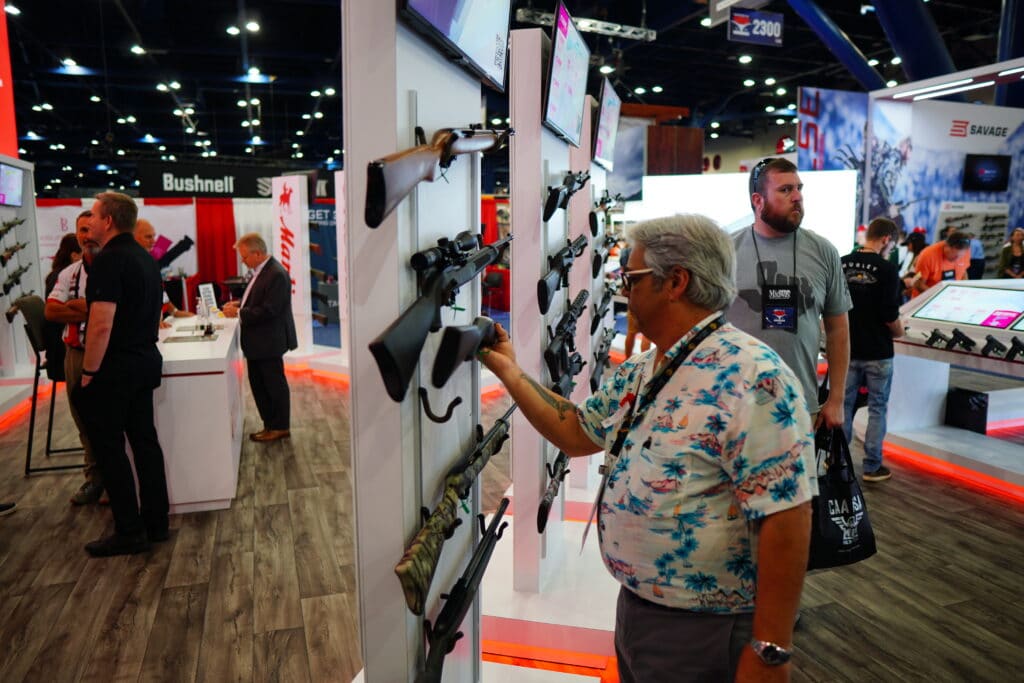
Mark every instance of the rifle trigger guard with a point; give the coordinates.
(439, 419)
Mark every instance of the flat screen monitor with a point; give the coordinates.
(11, 181)
(473, 32)
(986, 173)
(607, 125)
(567, 79)
(982, 306)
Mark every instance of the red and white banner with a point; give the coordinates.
(290, 210)
(967, 128)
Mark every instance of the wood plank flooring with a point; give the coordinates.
(265, 591)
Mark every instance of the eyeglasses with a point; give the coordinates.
(629, 277)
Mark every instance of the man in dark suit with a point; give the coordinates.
(268, 331)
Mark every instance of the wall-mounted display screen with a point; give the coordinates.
(986, 173)
(11, 181)
(983, 306)
(607, 126)
(567, 79)
(474, 32)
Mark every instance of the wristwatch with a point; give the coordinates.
(770, 653)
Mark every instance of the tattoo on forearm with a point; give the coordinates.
(562, 406)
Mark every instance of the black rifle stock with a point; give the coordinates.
(564, 385)
(563, 338)
(558, 272)
(556, 473)
(601, 358)
(442, 271)
(416, 568)
(183, 245)
(7, 226)
(558, 197)
(601, 254)
(390, 179)
(10, 252)
(600, 309)
(460, 344)
(444, 633)
(14, 279)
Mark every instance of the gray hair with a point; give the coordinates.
(696, 244)
(253, 241)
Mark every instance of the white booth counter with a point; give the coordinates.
(199, 411)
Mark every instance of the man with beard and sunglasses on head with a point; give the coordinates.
(789, 279)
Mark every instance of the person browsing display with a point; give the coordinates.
(947, 259)
(703, 513)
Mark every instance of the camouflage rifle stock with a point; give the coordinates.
(442, 270)
(558, 272)
(390, 179)
(558, 197)
(460, 344)
(416, 568)
(9, 253)
(14, 279)
(7, 226)
(556, 473)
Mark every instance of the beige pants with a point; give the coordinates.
(73, 359)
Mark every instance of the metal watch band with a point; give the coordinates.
(770, 653)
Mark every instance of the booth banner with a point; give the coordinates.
(178, 179)
(291, 247)
(54, 219)
(341, 234)
(830, 129)
(966, 128)
(175, 225)
(889, 190)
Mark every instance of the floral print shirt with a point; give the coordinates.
(727, 442)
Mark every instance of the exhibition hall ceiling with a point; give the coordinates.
(101, 85)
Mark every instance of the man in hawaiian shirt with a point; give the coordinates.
(704, 513)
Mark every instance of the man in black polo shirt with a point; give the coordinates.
(875, 288)
(120, 371)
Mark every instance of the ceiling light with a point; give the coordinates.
(639, 90)
(213, 152)
(36, 108)
(148, 138)
(963, 88)
(932, 88)
(32, 135)
(255, 122)
(872, 62)
(300, 133)
(252, 26)
(318, 115)
(780, 91)
(329, 92)
(162, 87)
(67, 61)
(178, 112)
(295, 145)
(769, 81)
(780, 122)
(254, 71)
(94, 141)
(746, 59)
(496, 121)
(198, 143)
(190, 111)
(245, 124)
(233, 30)
(190, 130)
(248, 150)
(129, 118)
(1009, 72)
(241, 103)
(172, 158)
(715, 124)
(329, 160)
(338, 151)
(47, 106)
(706, 22)
(138, 50)
(175, 85)
(606, 69)
(896, 61)
(769, 109)
(791, 106)
(121, 120)
(298, 155)
(95, 98)
(657, 88)
(255, 101)
(306, 117)
(120, 152)
(714, 136)
(891, 84)
(749, 82)
(314, 93)
(206, 143)
(162, 148)
(256, 140)
(12, 10)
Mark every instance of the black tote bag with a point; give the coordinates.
(840, 530)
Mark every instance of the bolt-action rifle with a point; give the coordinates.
(556, 473)
(390, 179)
(601, 358)
(416, 568)
(558, 272)
(558, 197)
(9, 253)
(459, 344)
(441, 271)
(444, 633)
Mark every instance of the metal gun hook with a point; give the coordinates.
(434, 417)
(482, 520)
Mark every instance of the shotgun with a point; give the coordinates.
(460, 344)
(390, 179)
(558, 272)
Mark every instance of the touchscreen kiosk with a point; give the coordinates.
(983, 306)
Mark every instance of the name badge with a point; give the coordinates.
(779, 307)
(949, 275)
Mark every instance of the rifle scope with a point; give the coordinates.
(446, 251)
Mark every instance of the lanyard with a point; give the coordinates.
(760, 267)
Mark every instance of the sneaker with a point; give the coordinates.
(88, 494)
(7, 508)
(881, 474)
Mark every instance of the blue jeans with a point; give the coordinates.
(877, 376)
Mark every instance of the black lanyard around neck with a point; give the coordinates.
(760, 266)
(636, 414)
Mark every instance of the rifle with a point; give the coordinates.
(14, 279)
(605, 204)
(556, 473)
(10, 252)
(444, 633)
(601, 308)
(563, 338)
(601, 254)
(416, 568)
(601, 358)
(183, 245)
(558, 272)
(441, 271)
(389, 179)
(458, 345)
(558, 197)
(7, 226)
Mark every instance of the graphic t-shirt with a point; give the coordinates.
(875, 288)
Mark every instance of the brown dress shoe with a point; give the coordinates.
(258, 436)
(271, 435)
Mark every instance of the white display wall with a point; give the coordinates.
(16, 358)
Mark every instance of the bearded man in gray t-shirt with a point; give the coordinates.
(789, 280)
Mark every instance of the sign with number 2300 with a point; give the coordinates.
(759, 28)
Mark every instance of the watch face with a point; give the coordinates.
(770, 653)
